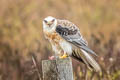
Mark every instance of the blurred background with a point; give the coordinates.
(21, 35)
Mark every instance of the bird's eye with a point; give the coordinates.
(53, 20)
(45, 21)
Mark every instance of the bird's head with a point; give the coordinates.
(49, 22)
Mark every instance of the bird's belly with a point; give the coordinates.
(59, 43)
(67, 47)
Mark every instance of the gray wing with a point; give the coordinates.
(73, 36)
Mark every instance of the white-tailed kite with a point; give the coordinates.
(66, 40)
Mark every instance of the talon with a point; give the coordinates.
(63, 56)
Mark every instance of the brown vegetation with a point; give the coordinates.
(21, 34)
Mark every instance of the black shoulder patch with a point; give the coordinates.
(65, 31)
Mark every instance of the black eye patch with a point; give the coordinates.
(45, 21)
(53, 20)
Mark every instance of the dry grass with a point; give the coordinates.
(21, 34)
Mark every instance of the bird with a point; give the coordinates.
(67, 41)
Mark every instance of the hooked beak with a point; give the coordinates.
(49, 24)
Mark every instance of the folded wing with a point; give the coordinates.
(73, 36)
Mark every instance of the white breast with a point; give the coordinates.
(67, 47)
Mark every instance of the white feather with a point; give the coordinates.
(67, 47)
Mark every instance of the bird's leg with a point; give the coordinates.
(63, 56)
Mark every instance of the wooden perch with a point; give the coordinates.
(59, 69)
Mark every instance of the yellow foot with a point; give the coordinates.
(64, 56)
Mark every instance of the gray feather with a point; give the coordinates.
(74, 37)
(89, 59)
